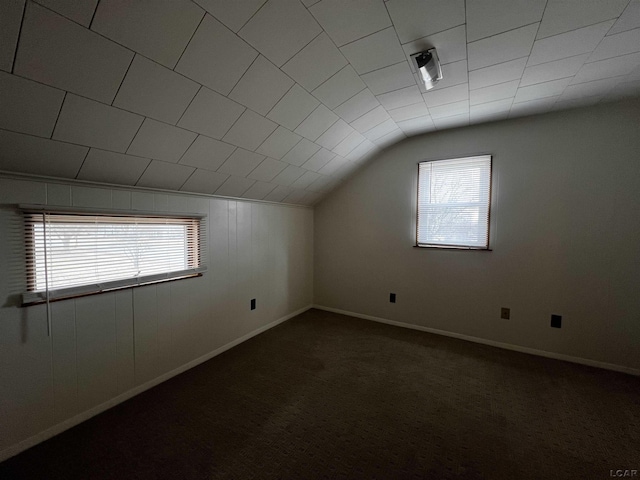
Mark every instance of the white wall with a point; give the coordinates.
(105, 347)
(565, 233)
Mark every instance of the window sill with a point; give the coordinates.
(39, 297)
(451, 247)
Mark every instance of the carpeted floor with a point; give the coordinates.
(329, 396)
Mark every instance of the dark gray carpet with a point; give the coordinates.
(329, 396)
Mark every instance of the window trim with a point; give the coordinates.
(33, 297)
(488, 248)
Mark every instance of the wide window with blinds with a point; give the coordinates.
(454, 203)
(71, 254)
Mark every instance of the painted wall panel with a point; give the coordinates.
(106, 345)
(564, 237)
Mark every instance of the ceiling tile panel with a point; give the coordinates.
(259, 190)
(417, 125)
(241, 163)
(370, 119)
(94, 124)
(111, 167)
(502, 48)
(267, 170)
(451, 122)
(347, 145)
(288, 175)
(532, 107)
(278, 194)
(29, 154)
(334, 135)
(317, 123)
(489, 17)
(499, 73)
(315, 63)
(498, 106)
(306, 179)
(568, 44)
(79, 12)
(333, 166)
(401, 98)
(493, 93)
(232, 13)
(435, 98)
(301, 152)
(451, 45)
(541, 90)
(169, 176)
(629, 19)
(279, 143)
(450, 109)
(319, 160)
(587, 89)
(346, 22)
(362, 151)
(611, 67)
(294, 107)
(234, 187)
(340, 87)
(615, 45)
(157, 30)
(58, 52)
(564, 15)
(381, 130)
(161, 141)
(280, 29)
(207, 153)
(216, 57)
(211, 114)
(324, 183)
(375, 51)
(204, 181)
(10, 21)
(415, 19)
(28, 107)
(250, 130)
(545, 72)
(393, 77)
(155, 91)
(383, 141)
(408, 112)
(295, 196)
(357, 106)
(261, 87)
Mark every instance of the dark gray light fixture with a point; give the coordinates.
(428, 66)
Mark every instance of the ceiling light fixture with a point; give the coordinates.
(428, 65)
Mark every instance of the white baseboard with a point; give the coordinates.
(92, 412)
(506, 346)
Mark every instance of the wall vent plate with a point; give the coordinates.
(505, 313)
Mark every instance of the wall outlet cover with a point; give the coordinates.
(505, 313)
(556, 321)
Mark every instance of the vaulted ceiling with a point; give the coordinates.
(282, 99)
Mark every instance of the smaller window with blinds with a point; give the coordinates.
(71, 254)
(454, 199)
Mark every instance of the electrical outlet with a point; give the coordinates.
(392, 297)
(556, 321)
(253, 304)
(505, 313)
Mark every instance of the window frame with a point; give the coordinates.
(486, 248)
(196, 246)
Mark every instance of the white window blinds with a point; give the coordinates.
(453, 203)
(71, 254)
